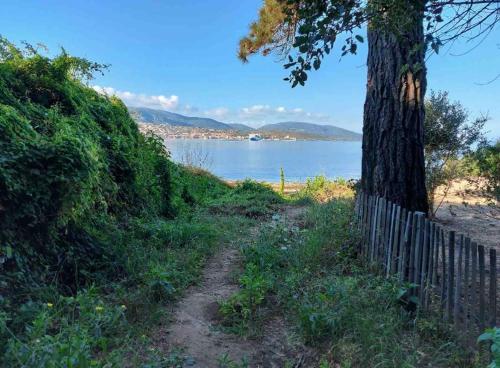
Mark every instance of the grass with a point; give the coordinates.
(355, 317)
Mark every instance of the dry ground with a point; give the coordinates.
(475, 218)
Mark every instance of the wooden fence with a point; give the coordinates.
(448, 271)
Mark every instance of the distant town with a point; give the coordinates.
(171, 125)
(186, 132)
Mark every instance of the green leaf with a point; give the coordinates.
(360, 38)
(487, 336)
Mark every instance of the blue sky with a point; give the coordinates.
(180, 55)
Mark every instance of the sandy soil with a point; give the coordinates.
(194, 327)
(475, 218)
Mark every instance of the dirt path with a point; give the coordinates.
(195, 330)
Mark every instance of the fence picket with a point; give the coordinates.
(449, 269)
(458, 288)
(493, 288)
(451, 275)
(466, 283)
(482, 298)
(473, 282)
(402, 248)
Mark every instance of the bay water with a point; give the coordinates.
(262, 160)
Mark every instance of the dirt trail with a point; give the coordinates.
(195, 330)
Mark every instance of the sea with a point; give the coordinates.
(263, 160)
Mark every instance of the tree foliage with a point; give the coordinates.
(487, 160)
(449, 137)
(311, 28)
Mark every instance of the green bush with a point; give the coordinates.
(241, 308)
(322, 189)
(248, 198)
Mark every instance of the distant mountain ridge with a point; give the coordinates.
(241, 127)
(153, 116)
(302, 129)
(327, 131)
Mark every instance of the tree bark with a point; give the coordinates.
(393, 126)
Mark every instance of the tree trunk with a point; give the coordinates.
(393, 126)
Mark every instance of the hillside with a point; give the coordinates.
(153, 116)
(241, 127)
(298, 130)
(327, 131)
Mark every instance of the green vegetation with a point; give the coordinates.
(100, 231)
(487, 161)
(492, 336)
(99, 228)
(322, 190)
(310, 274)
(282, 182)
(449, 138)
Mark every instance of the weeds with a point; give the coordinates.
(335, 303)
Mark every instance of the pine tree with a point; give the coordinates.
(399, 34)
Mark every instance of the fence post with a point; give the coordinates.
(430, 275)
(394, 238)
(402, 244)
(493, 287)
(467, 281)
(473, 282)
(374, 228)
(425, 261)
(482, 301)
(444, 281)
(451, 275)
(458, 290)
(418, 245)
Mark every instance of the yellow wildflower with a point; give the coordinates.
(50, 305)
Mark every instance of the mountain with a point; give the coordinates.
(327, 131)
(293, 128)
(153, 116)
(241, 127)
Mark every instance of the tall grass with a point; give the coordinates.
(356, 317)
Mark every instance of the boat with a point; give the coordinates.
(254, 137)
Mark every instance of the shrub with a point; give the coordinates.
(321, 189)
(248, 198)
(71, 159)
(448, 138)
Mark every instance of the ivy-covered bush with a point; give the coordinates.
(72, 161)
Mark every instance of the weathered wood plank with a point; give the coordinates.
(458, 288)
(404, 271)
(395, 240)
(419, 243)
(451, 276)
(466, 283)
(482, 297)
(387, 237)
(493, 288)
(473, 283)
(444, 281)
(432, 254)
(374, 228)
(413, 232)
(425, 260)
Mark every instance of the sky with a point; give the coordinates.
(180, 56)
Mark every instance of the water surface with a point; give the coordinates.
(262, 160)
